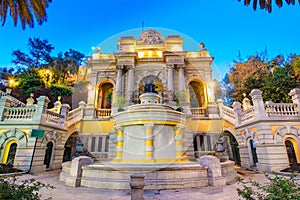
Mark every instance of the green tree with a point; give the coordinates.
(27, 11)
(38, 57)
(267, 4)
(66, 65)
(275, 77)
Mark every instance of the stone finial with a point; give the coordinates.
(30, 100)
(82, 104)
(246, 102)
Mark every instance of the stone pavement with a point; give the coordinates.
(62, 192)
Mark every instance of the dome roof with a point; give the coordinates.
(150, 37)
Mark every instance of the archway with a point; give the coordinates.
(253, 152)
(292, 150)
(156, 82)
(70, 147)
(48, 154)
(105, 94)
(232, 148)
(197, 94)
(10, 152)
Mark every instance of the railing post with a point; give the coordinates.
(42, 105)
(65, 108)
(4, 103)
(237, 108)
(258, 104)
(220, 104)
(295, 94)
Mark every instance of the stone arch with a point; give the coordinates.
(296, 149)
(51, 136)
(12, 135)
(251, 140)
(197, 91)
(231, 145)
(281, 133)
(104, 93)
(250, 135)
(70, 145)
(161, 76)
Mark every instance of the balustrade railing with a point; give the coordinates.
(281, 109)
(247, 114)
(103, 113)
(74, 116)
(54, 118)
(23, 113)
(199, 112)
(14, 102)
(228, 113)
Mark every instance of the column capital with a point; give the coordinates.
(180, 66)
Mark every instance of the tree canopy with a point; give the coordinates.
(275, 77)
(268, 4)
(27, 11)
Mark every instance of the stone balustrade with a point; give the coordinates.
(21, 113)
(247, 115)
(54, 118)
(261, 111)
(74, 116)
(281, 109)
(199, 112)
(103, 113)
(228, 113)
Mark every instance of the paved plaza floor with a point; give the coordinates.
(62, 192)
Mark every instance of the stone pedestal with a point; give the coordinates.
(137, 184)
(74, 179)
(214, 174)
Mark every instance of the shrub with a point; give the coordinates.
(26, 190)
(277, 188)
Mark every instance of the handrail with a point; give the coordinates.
(24, 113)
(199, 111)
(103, 113)
(247, 114)
(282, 109)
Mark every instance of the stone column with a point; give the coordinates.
(170, 81)
(237, 108)
(42, 105)
(181, 78)
(119, 80)
(137, 184)
(148, 153)
(179, 142)
(119, 144)
(295, 94)
(130, 85)
(3, 104)
(258, 104)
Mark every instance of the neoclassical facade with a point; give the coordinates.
(256, 134)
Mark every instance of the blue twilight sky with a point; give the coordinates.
(226, 27)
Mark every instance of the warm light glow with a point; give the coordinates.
(141, 54)
(12, 82)
(150, 53)
(176, 48)
(159, 53)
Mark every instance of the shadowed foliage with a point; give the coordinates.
(267, 4)
(24, 10)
